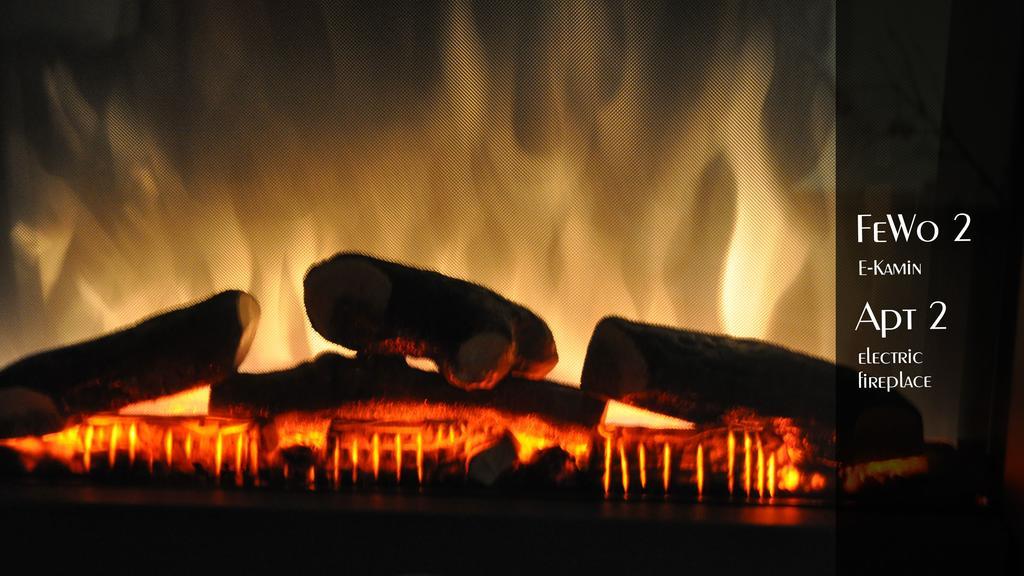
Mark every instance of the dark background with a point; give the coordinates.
(928, 123)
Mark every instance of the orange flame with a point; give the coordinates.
(169, 447)
(760, 468)
(642, 455)
(87, 451)
(419, 458)
(666, 466)
(732, 460)
(354, 455)
(133, 438)
(218, 454)
(625, 468)
(398, 458)
(376, 456)
(115, 434)
(747, 463)
(700, 470)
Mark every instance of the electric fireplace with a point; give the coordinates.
(405, 287)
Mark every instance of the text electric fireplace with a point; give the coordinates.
(406, 287)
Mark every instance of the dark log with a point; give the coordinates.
(475, 336)
(488, 465)
(169, 353)
(332, 381)
(701, 376)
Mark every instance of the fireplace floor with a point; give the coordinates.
(391, 533)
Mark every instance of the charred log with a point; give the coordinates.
(474, 335)
(490, 464)
(701, 376)
(165, 354)
(332, 380)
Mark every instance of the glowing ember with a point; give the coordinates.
(700, 470)
(855, 477)
(666, 465)
(626, 416)
(193, 402)
(642, 457)
(747, 461)
(705, 458)
(731, 460)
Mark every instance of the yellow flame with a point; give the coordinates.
(626, 416)
(666, 466)
(218, 456)
(169, 447)
(476, 198)
(354, 456)
(336, 463)
(747, 463)
(87, 451)
(115, 434)
(624, 463)
(398, 458)
(419, 458)
(642, 462)
(133, 437)
(700, 470)
(192, 402)
(376, 456)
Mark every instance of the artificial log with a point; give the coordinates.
(475, 336)
(701, 376)
(488, 465)
(332, 380)
(169, 353)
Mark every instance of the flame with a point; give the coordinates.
(354, 456)
(771, 476)
(624, 463)
(732, 459)
(700, 470)
(747, 461)
(398, 458)
(856, 476)
(191, 402)
(419, 458)
(218, 454)
(666, 466)
(133, 438)
(115, 434)
(336, 460)
(627, 416)
(760, 469)
(87, 450)
(376, 456)
(642, 463)
(534, 210)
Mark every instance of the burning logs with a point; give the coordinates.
(475, 336)
(702, 376)
(165, 354)
(333, 380)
